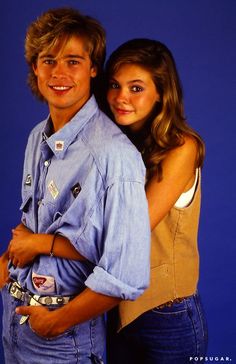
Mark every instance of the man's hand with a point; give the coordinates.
(22, 249)
(4, 274)
(86, 305)
(44, 322)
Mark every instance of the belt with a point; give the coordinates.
(31, 299)
(171, 303)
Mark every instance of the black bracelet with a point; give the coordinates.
(53, 241)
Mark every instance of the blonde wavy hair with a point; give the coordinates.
(59, 25)
(166, 126)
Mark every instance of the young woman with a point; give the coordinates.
(166, 324)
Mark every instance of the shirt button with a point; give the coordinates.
(46, 163)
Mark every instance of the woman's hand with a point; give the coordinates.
(22, 248)
(25, 246)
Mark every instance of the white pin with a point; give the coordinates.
(53, 189)
(59, 145)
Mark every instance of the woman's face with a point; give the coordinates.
(132, 96)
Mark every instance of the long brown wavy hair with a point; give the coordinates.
(166, 126)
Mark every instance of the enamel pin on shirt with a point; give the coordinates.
(53, 189)
(76, 190)
(28, 180)
(59, 145)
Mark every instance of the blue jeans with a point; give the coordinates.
(82, 344)
(170, 335)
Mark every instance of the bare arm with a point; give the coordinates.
(178, 176)
(25, 246)
(83, 307)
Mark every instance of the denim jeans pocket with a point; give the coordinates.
(174, 309)
(54, 338)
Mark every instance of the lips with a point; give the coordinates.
(122, 111)
(60, 88)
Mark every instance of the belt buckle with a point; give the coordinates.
(16, 292)
(11, 289)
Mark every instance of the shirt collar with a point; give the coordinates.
(61, 140)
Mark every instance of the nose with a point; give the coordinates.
(59, 70)
(121, 96)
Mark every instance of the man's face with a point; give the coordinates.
(64, 73)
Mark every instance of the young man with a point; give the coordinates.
(83, 243)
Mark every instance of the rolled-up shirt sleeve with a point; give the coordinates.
(90, 191)
(123, 267)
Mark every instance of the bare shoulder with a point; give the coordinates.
(190, 143)
(182, 160)
(189, 148)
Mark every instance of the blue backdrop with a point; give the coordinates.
(201, 35)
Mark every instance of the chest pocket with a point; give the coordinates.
(26, 204)
(27, 210)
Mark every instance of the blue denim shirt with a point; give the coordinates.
(86, 182)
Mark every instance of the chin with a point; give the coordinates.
(122, 121)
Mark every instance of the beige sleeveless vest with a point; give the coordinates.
(174, 260)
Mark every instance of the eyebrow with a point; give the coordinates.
(66, 56)
(131, 81)
(138, 80)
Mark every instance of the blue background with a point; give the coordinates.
(201, 35)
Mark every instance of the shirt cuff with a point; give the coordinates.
(102, 282)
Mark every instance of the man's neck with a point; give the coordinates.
(60, 117)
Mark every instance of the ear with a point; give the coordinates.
(35, 69)
(158, 98)
(93, 71)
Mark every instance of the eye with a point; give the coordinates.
(113, 85)
(49, 61)
(73, 62)
(136, 88)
